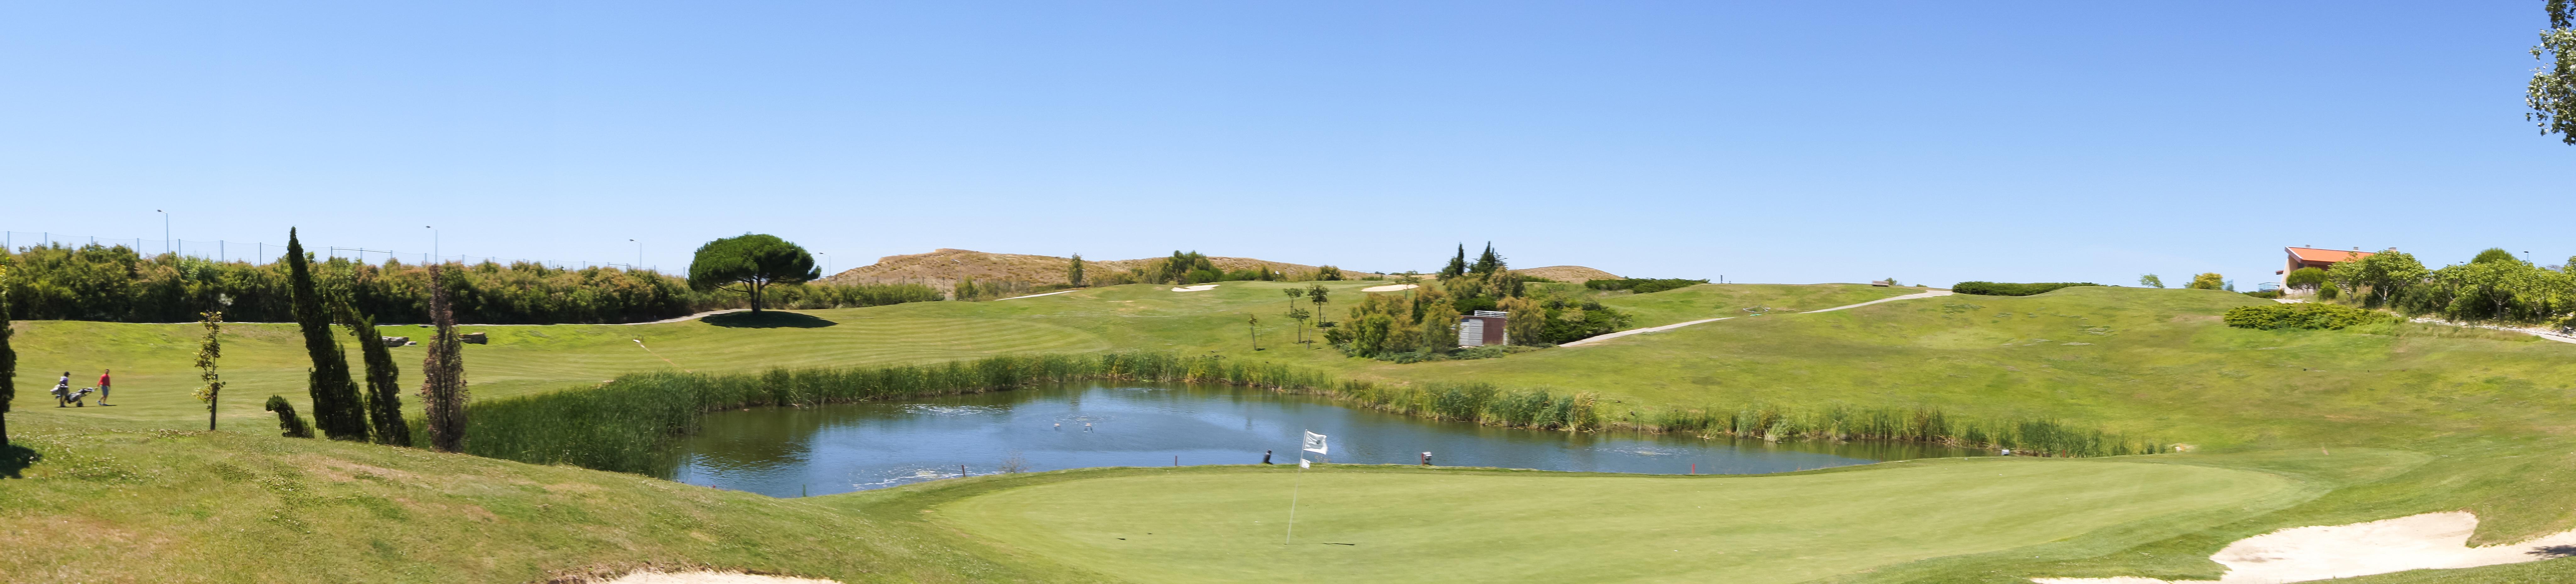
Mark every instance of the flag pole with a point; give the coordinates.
(1292, 498)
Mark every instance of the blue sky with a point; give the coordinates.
(1765, 142)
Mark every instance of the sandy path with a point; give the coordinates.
(1045, 294)
(712, 578)
(1923, 294)
(1926, 294)
(2415, 542)
(1390, 288)
(2537, 332)
(1198, 288)
(1658, 329)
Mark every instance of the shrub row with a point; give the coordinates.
(1642, 285)
(2013, 289)
(113, 283)
(2039, 437)
(2303, 315)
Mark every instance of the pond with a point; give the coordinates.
(788, 452)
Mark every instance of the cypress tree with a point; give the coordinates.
(1073, 275)
(1457, 265)
(1487, 263)
(8, 360)
(336, 407)
(442, 373)
(384, 386)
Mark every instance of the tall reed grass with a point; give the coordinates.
(627, 424)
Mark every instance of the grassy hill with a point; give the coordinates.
(2294, 428)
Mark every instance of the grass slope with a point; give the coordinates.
(1477, 527)
(154, 372)
(2416, 418)
(174, 506)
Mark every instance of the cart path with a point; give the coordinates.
(1925, 294)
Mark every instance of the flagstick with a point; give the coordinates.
(1292, 499)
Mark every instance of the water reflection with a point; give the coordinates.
(839, 448)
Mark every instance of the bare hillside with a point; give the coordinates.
(944, 266)
(1576, 274)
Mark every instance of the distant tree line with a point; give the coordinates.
(2493, 287)
(1191, 267)
(114, 283)
(2014, 289)
(1642, 285)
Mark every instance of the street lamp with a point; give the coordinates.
(165, 230)
(639, 255)
(827, 263)
(433, 242)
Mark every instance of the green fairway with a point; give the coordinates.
(1477, 527)
(2299, 428)
(154, 373)
(1726, 300)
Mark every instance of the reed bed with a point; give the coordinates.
(626, 424)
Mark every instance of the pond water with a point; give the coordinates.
(787, 452)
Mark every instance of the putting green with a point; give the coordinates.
(1473, 526)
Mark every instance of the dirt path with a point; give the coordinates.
(1925, 294)
(1657, 329)
(2415, 542)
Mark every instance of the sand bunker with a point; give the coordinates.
(712, 578)
(1389, 288)
(2417, 542)
(1198, 288)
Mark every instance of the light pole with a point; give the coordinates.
(639, 255)
(165, 230)
(827, 263)
(433, 242)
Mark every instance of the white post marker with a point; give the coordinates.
(1314, 444)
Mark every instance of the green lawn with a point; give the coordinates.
(1722, 300)
(1483, 527)
(2344, 426)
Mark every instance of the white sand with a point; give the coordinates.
(712, 578)
(1198, 288)
(1389, 288)
(2416, 542)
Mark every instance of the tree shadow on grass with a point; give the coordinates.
(767, 319)
(14, 458)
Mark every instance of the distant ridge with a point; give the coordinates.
(945, 266)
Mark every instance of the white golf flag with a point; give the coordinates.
(1302, 463)
(1315, 443)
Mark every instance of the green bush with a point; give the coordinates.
(2304, 315)
(2013, 289)
(2265, 294)
(1642, 285)
(113, 283)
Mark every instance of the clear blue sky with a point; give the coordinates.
(1768, 142)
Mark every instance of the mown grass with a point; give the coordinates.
(153, 372)
(194, 506)
(1377, 524)
(2417, 418)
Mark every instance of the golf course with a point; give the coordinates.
(2277, 429)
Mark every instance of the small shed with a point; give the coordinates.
(1485, 327)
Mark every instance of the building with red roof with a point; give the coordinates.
(2310, 257)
